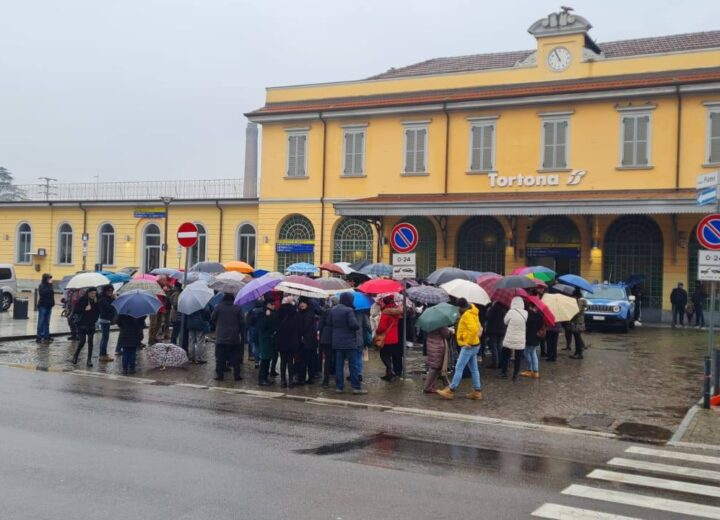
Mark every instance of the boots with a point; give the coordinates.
(475, 395)
(446, 393)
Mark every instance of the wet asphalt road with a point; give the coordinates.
(81, 447)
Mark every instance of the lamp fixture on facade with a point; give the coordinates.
(127, 238)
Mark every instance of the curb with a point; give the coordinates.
(33, 336)
(685, 424)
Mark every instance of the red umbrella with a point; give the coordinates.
(539, 283)
(505, 296)
(333, 268)
(380, 285)
(545, 312)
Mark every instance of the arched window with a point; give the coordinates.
(65, 244)
(555, 243)
(481, 245)
(634, 246)
(24, 244)
(426, 250)
(106, 252)
(353, 241)
(151, 248)
(296, 242)
(247, 244)
(198, 252)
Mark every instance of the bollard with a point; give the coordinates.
(706, 383)
(716, 375)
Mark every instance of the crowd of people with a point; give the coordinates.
(305, 341)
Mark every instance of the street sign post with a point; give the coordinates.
(404, 266)
(187, 236)
(708, 235)
(404, 238)
(707, 196)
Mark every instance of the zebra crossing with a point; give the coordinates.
(644, 483)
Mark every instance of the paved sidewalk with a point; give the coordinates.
(703, 427)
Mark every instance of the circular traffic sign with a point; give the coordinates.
(187, 234)
(404, 237)
(708, 232)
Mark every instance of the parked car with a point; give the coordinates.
(610, 304)
(8, 286)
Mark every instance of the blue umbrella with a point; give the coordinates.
(116, 277)
(257, 273)
(576, 281)
(136, 304)
(378, 269)
(361, 301)
(301, 268)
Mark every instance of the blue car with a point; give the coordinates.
(610, 304)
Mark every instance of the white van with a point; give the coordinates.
(8, 286)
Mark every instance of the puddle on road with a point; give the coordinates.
(393, 452)
(643, 432)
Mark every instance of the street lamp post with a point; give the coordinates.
(166, 202)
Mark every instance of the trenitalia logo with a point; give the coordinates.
(520, 180)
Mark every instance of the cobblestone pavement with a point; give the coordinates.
(639, 384)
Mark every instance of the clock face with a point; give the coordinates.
(559, 59)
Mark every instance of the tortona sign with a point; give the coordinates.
(522, 180)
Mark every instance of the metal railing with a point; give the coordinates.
(136, 190)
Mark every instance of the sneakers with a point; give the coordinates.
(446, 393)
(359, 391)
(475, 395)
(106, 359)
(526, 373)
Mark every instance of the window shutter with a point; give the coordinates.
(549, 141)
(420, 157)
(348, 153)
(714, 137)
(475, 152)
(487, 149)
(359, 150)
(628, 157)
(641, 156)
(292, 155)
(301, 146)
(561, 144)
(409, 150)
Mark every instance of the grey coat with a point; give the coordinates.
(344, 325)
(229, 324)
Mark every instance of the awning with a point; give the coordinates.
(616, 202)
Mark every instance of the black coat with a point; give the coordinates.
(229, 324)
(532, 327)
(107, 311)
(344, 326)
(289, 332)
(196, 320)
(88, 319)
(699, 297)
(131, 331)
(46, 295)
(495, 319)
(325, 328)
(679, 297)
(308, 329)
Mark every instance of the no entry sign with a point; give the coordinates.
(404, 237)
(708, 232)
(187, 234)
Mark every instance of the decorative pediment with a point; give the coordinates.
(564, 22)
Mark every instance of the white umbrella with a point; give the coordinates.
(471, 291)
(563, 307)
(84, 280)
(232, 276)
(299, 289)
(194, 297)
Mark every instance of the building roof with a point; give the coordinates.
(502, 60)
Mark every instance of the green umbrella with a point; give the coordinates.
(437, 316)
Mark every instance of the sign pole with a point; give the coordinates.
(404, 333)
(713, 293)
(187, 235)
(183, 332)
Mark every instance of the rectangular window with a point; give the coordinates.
(555, 144)
(635, 145)
(415, 149)
(65, 249)
(297, 154)
(24, 245)
(107, 248)
(713, 136)
(482, 147)
(354, 152)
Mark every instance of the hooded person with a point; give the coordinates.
(515, 337)
(387, 334)
(344, 326)
(436, 345)
(468, 339)
(308, 323)
(287, 341)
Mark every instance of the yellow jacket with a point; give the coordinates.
(468, 330)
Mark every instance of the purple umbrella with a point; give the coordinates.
(256, 288)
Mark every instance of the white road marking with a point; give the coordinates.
(660, 483)
(558, 512)
(679, 455)
(656, 503)
(666, 468)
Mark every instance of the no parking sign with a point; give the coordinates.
(404, 237)
(708, 232)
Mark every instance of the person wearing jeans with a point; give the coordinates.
(107, 314)
(344, 326)
(468, 339)
(534, 334)
(46, 301)
(130, 338)
(352, 359)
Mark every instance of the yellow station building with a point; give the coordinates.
(575, 154)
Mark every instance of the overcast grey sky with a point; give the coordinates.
(156, 89)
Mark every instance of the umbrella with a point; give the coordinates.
(145, 276)
(165, 355)
(576, 281)
(538, 272)
(474, 274)
(563, 307)
(562, 288)
(488, 281)
(302, 280)
(226, 285)
(437, 316)
(116, 277)
(257, 273)
(197, 276)
(427, 294)
(208, 267)
(332, 285)
(378, 269)
(136, 303)
(380, 286)
(142, 285)
(361, 302)
(168, 271)
(300, 289)
(547, 315)
(471, 291)
(358, 278)
(194, 298)
(357, 266)
(341, 268)
(256, 288)
(239, 267)
(301, 268)
(84, 280)
(233, 276)
(505, 296)
(515, 282)
(539, 283)
(447, 274)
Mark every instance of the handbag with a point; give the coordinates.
(379, 340)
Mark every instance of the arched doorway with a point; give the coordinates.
(151, 248)
(296, 242)
(481, 245)
(426, 250)
(555, 243)
(634, 246)
(353, 241)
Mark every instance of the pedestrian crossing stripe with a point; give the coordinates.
(660, 483)
(687, 457)
(665, 468)
(558, 512)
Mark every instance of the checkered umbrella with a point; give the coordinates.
(427, 295)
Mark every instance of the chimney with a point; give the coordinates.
(250, 181)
